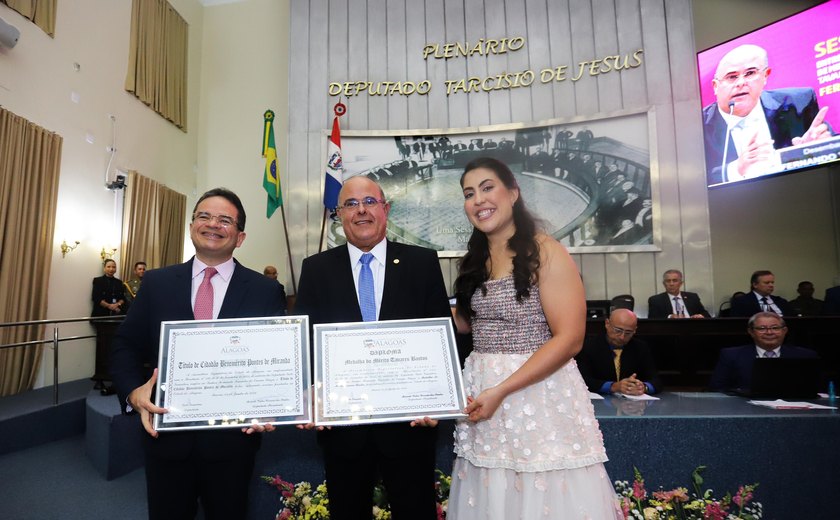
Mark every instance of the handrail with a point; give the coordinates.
(55, 339)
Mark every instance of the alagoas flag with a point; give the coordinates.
(271, 178)
(334, 176)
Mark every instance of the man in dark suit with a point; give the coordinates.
(831, 301)
(760, 298)
(783, 117)
(735, 365)
(617, 362)
(674, 303)
(408, 284)
(213, 466)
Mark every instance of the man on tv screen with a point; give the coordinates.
(746, 124)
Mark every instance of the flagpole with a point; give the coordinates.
(323, 227)
(334, 176)
(288, 249)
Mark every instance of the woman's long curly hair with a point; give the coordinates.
(472, 268)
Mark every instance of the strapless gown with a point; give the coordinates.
(541, 455)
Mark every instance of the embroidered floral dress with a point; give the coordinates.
(541, 454)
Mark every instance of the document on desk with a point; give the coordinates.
(643, 397)
(781, 404)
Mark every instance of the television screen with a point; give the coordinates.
(771, 98)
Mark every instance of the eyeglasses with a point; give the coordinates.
(223, 220)
(623, 332)
(748, 75)
(772, 328)
(367, 202)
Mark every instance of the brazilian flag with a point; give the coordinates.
(271, 178)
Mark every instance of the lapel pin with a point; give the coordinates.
(396, 260)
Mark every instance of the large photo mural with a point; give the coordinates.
(591, 183)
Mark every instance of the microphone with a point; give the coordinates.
(723, 176)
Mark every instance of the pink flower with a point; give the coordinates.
(625, 506)
(639, 492)
(714, 511)
(677, 495)
(743, 497)
(440, 515)
(284, 514)
(287, 489)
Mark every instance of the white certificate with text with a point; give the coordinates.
(387, 371)
(233, 372)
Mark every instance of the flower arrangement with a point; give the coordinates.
(677, 504)
(300, 502)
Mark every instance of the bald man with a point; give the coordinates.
(270, 271)
(633, 374)
(407, 283)
(760, 121)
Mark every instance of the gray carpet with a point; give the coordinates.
(56, 481)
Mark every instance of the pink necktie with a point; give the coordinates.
(204, 297)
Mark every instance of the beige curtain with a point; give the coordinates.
(153, 224)
(41, 12)
(30, 159)
(157, 59)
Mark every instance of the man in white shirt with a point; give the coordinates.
(674, 303)
(761, 298)
(748, 123)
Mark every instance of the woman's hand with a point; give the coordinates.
(485, 405)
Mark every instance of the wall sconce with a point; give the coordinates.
(67, 248)
(105, 254)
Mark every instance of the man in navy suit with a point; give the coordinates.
(760, 298)
(831, 301)
(760, 121)
(674, 303)
(408, 284)
(211, 466)
(597, 359)
(735, 365)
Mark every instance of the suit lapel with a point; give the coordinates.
(236, 291)
(393, 276)
(182, 298)
(342, 288)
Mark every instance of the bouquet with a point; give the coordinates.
(678, 504)
(301, 502)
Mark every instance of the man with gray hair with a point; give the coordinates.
(735, 365)
(674, 303)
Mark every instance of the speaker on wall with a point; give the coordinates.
(9, 34)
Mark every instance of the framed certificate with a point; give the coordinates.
(233, 372)
(386, 371)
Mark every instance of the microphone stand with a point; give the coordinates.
(723, 172)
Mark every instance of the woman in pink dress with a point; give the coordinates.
(530, 447)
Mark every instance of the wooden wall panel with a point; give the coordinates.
(379, 40)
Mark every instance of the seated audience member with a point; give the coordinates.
(725, 310)
(622, 301)
(735, 364)
(674, 303)
(831, 305)
(760, 299)
(617, 362)
(805, 304)
(270, 272)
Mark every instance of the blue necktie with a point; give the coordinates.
(367, 296)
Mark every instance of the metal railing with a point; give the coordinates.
(56, 339)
